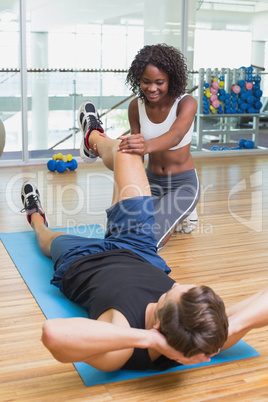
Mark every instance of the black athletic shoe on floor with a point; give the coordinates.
(30, 197)
(88, 120)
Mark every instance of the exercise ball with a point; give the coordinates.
(2, 137)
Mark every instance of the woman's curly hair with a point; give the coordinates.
(165, 58)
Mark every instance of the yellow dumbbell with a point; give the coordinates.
(57, 157)
(64, 158)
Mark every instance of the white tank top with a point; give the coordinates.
(153, 130)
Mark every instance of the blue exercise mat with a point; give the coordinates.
(37, 271)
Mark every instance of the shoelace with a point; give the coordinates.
(93, 121)
(99, 120)
(30, 202)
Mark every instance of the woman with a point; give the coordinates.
(161, 120)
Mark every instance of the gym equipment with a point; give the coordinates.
(60, 166)
(64, 158)
(215, 103)
(247, 144)
(236, 89)
(240, 85)
(242, 144)
(215, 84)
(213, 91)
(215, 148)
(233, 84)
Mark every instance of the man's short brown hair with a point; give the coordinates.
(196, 323)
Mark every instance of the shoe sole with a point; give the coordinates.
(35, 191)
(83, 156)
(80, 110)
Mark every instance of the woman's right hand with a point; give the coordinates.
(133, 144)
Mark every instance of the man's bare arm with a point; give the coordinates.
(246, 315)
(103, 345)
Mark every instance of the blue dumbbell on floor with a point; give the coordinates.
(61, 166)
(247, 144)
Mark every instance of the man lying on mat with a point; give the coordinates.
(139, 318)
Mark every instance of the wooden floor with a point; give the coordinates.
(227, 251)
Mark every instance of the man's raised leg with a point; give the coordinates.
(130, 179)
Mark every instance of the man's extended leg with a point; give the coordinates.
(44, 235)
(36, 217)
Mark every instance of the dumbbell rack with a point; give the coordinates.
(225, 127)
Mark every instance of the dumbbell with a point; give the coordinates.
(64, 158)
(61, 166)
(248, 144)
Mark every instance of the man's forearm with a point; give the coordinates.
(246, 315)
(80, 339)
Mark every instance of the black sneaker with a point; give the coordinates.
(88, 120)
(30, 197)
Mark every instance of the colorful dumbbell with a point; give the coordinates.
(60, 166)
